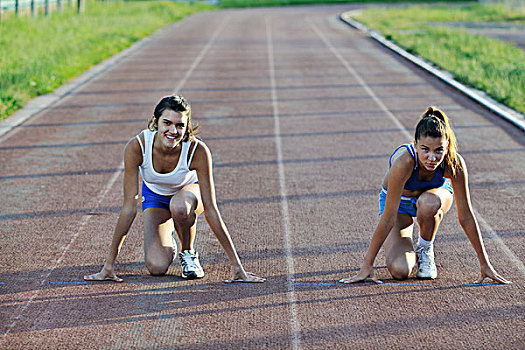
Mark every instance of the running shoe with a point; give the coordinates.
(426, 267)
(191, 267)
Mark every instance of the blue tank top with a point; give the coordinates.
(413, 183)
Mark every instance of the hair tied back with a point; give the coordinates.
(434, 123)
(429, 113)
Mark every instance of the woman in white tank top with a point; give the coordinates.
(177, 187)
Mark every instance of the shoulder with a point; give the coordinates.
(202, 156)
(461, 160)
(461, 164)
(142, 136)
(403, 159)
(133, 143)
(400, 170)
(133, 150)
(461, 168)
(201, 149)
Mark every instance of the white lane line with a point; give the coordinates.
(201, 55)
(82, 224)
(490, 232)
(294, 324)
(360, 80)
(501, 110)
(102, 195)
(494, 236)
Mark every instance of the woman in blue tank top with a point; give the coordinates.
(171, 160)
(423, 181)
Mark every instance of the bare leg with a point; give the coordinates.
(432, 205)
(399, 251)
(158, 246)
(185, 206)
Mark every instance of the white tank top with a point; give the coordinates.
(166, 184)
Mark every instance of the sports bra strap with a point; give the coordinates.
(140, 143)
(410, 149)
(193, 152)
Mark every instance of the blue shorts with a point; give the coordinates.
(152, 200)
(407, 205)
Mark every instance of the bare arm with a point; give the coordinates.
(132, 160)
(202, 163)
(398, 175)
(468, 221)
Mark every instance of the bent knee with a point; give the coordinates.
(180, 213)
(401, 268)
(157, 268)
(428, 205)
(399, 272)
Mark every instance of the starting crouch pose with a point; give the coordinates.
(176, 169)
(423, 180)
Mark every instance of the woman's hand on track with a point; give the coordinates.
(104, 275)
(247, 277)
(488, 271)
(366, 273)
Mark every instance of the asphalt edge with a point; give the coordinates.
(510, 115)
(41, 103)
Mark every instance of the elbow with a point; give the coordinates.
(211, 213)
(388, 222)
(466, 222)
(129, 211)
(466, 218)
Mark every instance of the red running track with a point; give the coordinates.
(301, 113)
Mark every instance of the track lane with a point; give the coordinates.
(332, 207)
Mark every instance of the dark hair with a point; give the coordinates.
(434, 123)
(176, 103)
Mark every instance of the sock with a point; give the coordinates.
(424, 243)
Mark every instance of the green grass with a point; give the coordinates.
(255, 3)
(488, 64)
(38, 55)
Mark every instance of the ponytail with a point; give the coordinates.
(435, 123)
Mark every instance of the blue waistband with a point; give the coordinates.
(383, 189)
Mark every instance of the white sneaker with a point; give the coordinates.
(426, 267)
(191, 267)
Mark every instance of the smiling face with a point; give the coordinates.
(171, 128)
(431, 151)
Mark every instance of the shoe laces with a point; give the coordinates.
(426, 258)
(188, 259)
